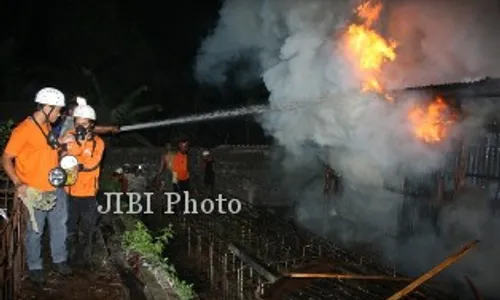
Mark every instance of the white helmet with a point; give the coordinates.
(50, 96)
(83, 110)
(205, 153)
(119, 171)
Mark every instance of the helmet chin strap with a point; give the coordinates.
(47, 116)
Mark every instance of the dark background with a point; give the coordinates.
(106, 51)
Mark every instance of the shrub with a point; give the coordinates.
(5, 130)
(151, 248)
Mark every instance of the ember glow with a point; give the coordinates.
(368, 51)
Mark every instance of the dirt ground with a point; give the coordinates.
(102, 284)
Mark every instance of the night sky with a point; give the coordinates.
(125, 44)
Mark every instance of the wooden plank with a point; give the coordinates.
(345, 276)
(434, 271)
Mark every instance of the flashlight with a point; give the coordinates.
(65, 174)
(57, 177)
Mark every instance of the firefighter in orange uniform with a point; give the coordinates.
(180, 168)
(88, 149)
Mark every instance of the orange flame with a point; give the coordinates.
(369, 52)
(431, 125)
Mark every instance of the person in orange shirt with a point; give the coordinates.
(31, 153)
(88, 149)
(180, 168)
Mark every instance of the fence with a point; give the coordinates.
(11, 243)
(472, 164)
(242, 256)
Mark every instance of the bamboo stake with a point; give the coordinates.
(345, 276)
(461, 169)
(434, 271)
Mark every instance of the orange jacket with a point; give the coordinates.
(89, 156)
(33, 156)
(180, 166)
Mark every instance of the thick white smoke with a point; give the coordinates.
(294, 45)
(443, 41)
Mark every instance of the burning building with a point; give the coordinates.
(410, 157)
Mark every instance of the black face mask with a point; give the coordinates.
(81, 132)
(52, 140)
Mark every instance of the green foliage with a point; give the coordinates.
(127, 111)
(109, 185)
(5, 130)
(141, 241)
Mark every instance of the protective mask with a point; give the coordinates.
(81, 132)
(52, 140)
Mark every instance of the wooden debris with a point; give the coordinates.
(344, 276)
(434, 271)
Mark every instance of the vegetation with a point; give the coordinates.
(5, 130)
(125, 111)
(109, 185)
(151, 249)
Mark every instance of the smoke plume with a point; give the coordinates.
(295, 47)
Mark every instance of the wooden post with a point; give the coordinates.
(189, 240)
(211, 261)
(325, 214)
(461, 169)
(241, 271)
(225, 279)
(440, 188)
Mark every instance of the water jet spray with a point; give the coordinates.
(456, 88)
(220, 114)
